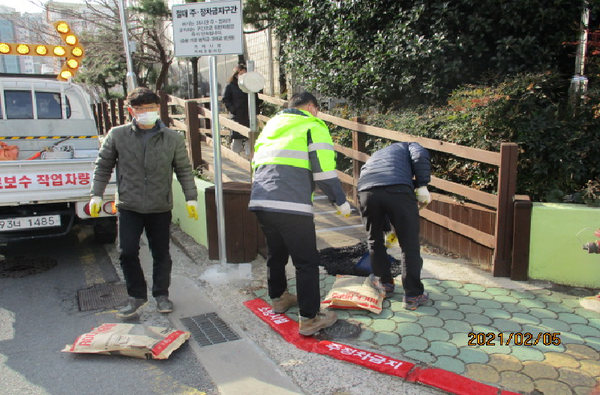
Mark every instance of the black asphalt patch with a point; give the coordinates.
(21, 266)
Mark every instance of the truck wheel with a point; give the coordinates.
(105, 231)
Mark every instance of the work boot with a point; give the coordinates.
(132, 307)
(412, 302)
(284, 302)
(163, 304)
(386, 290)
(323, 319)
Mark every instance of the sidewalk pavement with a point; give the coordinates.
(521, 337)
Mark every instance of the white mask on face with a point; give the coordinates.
(147, 118)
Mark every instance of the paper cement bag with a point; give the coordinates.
(132, 340)
(355, 292)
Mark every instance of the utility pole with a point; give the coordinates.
(131, 79)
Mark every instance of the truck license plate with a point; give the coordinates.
(42, 221)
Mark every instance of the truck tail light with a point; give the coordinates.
(110, 208)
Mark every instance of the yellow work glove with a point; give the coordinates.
(423, 196)
(391, 239)
(95, 206)
(192, 209)
(344, 209)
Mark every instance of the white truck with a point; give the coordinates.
(46, 189)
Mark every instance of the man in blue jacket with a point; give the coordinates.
(386, 190)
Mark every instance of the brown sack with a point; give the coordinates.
(355, 292)
(8, 152)
(133, 340)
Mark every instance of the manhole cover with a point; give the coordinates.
(342, 329)
(21, 266)
(208, 329)
(102, 296)
(343, 260)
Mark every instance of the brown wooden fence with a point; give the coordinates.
(483, 227)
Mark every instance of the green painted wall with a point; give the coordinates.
(196, 229)
(556, 251)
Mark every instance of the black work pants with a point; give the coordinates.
(399, 204)
(292, 235)
(157, 226)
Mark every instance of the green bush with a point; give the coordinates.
(559, 148)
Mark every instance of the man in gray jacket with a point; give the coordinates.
(145, 154)
(393, 185)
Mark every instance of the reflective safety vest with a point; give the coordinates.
(293, 152)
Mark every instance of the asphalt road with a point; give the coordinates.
(39, 316)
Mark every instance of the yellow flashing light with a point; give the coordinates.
(23, 49)
(71, 39)
(41, 50)
(73, 63)
(77, 51)
(4, 48)
(66, 74)
(62, 27)
(59, 51)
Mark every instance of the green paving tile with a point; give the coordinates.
(427, 310)
(506, 299)
(472, 355)
(459, 339)
(364, 320)
(514, 308)
(497, 291)
(456, 292)
(433, 334)
(366, 334)
(404, 317)
(523, 353)
(488, 304)
(590, 315)
(470, 309)
(545, 348)
(430, 282)
(571, 338)
(506, 326)
(555, 325)
(521, 294)
(496, 349)
(413, 343)
(456, 326)
(451, 315)
(481, 295)
(497, 313)
(393, 351)
(584, 330)
(437, 296)
(532, 303)
(383, 325)
(431, 321)
(450, 364)
(386, 338)
(445, 304)
(462, 300)
(451, 284)
(261, 293)
(543, 313)
(481, 328)
(474, 287)
(477, 319)
(554, 298)
(386, 312)
(439, 348)
(593, 342)
(343, 314)
(409, 328)
(527, 319)
(558, 308)
(421, 356)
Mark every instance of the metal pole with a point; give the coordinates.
(131, 80)
(251, 102)
(216, 132)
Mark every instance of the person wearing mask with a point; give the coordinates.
(145, 154)
(236, 102)
(386, 192)
(293, 153)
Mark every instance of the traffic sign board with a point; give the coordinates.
(212, 28)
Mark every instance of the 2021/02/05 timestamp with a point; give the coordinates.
(514, 338)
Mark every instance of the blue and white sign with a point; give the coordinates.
(205, 29)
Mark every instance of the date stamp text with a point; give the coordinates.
(513, 338)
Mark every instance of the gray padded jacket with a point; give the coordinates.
(144, 171)
(398, 163)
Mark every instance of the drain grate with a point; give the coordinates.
(208, 329)
(21, 266)
(102, 296)
(342, 329)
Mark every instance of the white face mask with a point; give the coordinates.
(147, 118)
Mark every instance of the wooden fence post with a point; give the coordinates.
(507, 183)
(521, 238)
(193, 134)
(96, 116)
(113, 112)
(121, 108)
(359, 140)
(105, 117)
(164, 108)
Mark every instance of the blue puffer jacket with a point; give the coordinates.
(398, 163)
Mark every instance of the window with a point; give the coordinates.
(48, 105)
(18, 105)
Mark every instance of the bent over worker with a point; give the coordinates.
(293, 153)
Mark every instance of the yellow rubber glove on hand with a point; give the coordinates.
(423, 196)
(391, 239)
(192, 208)
(344, 209)
(95, 206)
